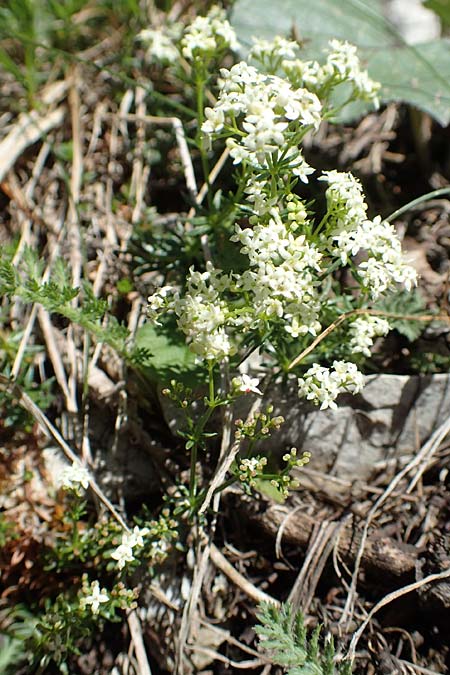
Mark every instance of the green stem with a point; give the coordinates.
(419, 200)
(200, 81)
(193, 474)
(198, 431)
(211, 383)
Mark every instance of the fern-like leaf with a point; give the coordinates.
(283, 635)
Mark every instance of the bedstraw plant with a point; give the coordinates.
(287, 251)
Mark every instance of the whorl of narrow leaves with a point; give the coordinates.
(284, 636)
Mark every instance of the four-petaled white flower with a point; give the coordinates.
(124, 552)
(246, 384)
(95, 598)
(74, 477)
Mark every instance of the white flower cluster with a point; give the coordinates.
(363, 330)
(93, 596)
(280, 280)
(386, 264)
(323, 385)
(158, 302)
(269, 110)
(124, 552)
(346, 206)
(342, 65)
(208, 34)
(285, 256)
(74, 477)
(351, 232)
(161, 43)
(270, 53)
(203, 314)
(344, 61)
(257, 195)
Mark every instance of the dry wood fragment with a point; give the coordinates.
(381, 553)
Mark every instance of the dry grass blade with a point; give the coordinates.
(180, 137)
(29, 128)
(138, 643)
(390, 598)
(321, 544)
(237, 578)
(358, 312)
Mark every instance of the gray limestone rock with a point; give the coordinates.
(390, 419)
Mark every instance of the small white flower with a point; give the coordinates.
(159, 549)
(249, 469)
(364, 329)
(246, 384)
(138, 534)
(123, 554)
(208, 34)
(74, 477)
(95, 598)
(215, 119)
(160, 46)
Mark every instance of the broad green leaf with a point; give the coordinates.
(168, 356)
(415, 74)
(270, 491)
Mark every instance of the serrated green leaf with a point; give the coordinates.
(415, 74)
(283, 635)
(8, 279)
(404, 304)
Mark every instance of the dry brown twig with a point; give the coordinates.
(237, 578)
(357, 312)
